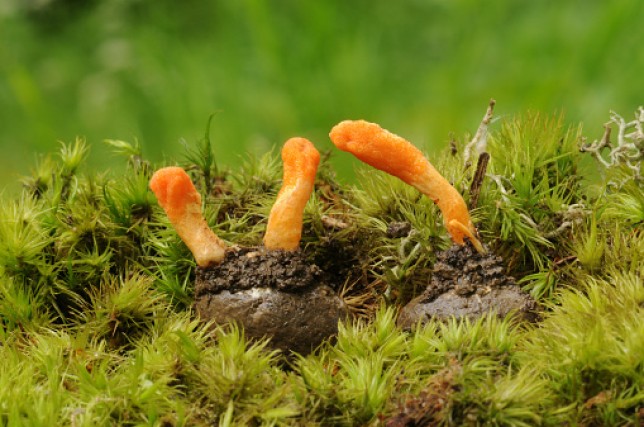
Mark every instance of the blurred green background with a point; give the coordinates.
(154, 70)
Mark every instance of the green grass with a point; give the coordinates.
(155, 71)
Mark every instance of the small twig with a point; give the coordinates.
(479, 142)
(477, 181)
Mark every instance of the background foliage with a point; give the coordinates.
(155, 70)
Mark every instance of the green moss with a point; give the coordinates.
(96, 326)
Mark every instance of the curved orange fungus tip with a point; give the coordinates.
(181, 202)
(398, 157)
(284, 229)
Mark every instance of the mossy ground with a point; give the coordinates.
(96, 293)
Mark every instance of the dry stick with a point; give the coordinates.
(398, 157)
(477, 181)
(284, 229)
(179, 198)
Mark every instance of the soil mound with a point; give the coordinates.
(274, 294)
(468, 284)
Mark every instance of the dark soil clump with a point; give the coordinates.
(467, 272)
(246, 268)
(272, 294)
(465, 283)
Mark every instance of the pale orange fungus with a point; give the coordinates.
(284, 229)
(398, 157)
(182, 203)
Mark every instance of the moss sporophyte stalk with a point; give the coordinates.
(270, 295)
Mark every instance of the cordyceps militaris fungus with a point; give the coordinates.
(284, 229)
(398, 157)
(466, 281)
(179, 198)
(272, 291)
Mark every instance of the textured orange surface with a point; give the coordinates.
(300, 159)
(398, 157)
(180, 200)
(175, 191)
(284, 229)
(381, 149)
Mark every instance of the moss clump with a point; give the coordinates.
(96, 294)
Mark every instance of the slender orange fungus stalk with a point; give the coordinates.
(182, 203)
(398, 157)
(284, 229)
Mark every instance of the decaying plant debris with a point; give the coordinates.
(96, 299)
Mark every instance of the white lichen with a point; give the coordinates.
(628, 151)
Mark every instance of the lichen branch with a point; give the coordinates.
(629, 150)
(573, 215)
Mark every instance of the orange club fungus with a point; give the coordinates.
(181, 202)
(284, 229)
(398, 157)
(466, 281)
(271, 291)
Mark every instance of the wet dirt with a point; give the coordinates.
(465, 283)
(274, 294)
